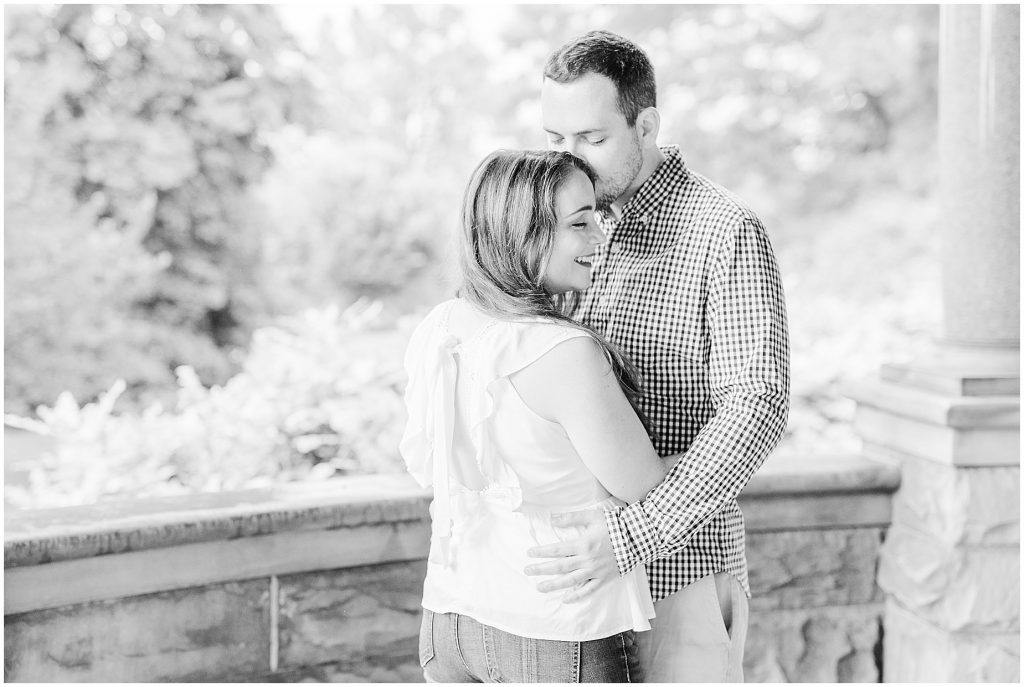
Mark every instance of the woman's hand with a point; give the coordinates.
(582, 564)
(669, 462)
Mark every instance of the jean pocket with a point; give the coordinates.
(611, 659)
(426, 638)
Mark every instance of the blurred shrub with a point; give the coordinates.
(316, 397)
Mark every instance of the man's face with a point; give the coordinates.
(583, 117)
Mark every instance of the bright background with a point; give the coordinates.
(221, 221)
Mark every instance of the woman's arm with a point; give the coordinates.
(573, 385)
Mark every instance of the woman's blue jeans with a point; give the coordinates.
(456, 648)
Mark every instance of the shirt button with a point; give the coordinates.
(615, 249)
(645, 218)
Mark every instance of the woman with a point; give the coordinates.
(516, 412)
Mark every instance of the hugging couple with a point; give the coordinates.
(612, 371)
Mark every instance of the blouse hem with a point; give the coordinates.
(557, 637)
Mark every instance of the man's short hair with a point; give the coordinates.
(611, 55)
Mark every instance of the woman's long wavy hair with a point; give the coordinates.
(506, 233)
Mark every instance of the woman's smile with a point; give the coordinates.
(585, 260)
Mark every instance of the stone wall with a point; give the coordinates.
(295, 583)
(323, 584)
(814, 531)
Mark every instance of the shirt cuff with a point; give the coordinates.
(630, 532)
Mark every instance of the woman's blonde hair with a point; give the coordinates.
(507, 229)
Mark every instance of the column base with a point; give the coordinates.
(957, 369)
(957, 406)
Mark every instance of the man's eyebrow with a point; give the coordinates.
(584, 132)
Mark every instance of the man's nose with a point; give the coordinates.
(571, 147)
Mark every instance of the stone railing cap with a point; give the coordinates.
(842, 473)
(32, 537)
(39, 536)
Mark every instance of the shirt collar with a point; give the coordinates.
(668, 175)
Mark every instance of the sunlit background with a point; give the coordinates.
(222, 220)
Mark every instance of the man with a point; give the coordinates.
(688, 287)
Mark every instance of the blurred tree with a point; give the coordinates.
(174, 172)
(72, 279)
(154, 117)
(366, 205)
(796, 108)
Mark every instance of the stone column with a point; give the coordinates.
(979, 144)
(950, 565)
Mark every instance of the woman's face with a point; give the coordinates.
(576, 236)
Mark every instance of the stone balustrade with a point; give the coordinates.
(323, 582)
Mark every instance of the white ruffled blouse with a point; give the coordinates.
(498, 471)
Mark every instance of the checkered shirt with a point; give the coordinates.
(687, 286)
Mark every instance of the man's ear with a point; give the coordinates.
(648, 123)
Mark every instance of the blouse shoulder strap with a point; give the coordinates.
(527, 341)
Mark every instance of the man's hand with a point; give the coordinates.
(582, 564)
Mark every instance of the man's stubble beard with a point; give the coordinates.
(617, 184)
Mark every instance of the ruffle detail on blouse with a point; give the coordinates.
(427, 440)
(489, 358)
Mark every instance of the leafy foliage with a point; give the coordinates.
(72, 325)
(364, 205)
(316, 397)
(152, 117)
(329, 243)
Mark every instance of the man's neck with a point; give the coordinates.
(652, 159)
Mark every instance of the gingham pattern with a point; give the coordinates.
(688, 287)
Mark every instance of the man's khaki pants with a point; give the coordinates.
(698, 634)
